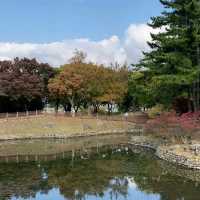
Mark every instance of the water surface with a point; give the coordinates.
(114, 171)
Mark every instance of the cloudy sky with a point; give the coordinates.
(50, 30)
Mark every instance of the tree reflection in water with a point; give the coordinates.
(105, 175)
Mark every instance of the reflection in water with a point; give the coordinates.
(114, 172)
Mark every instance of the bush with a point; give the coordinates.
(181, 105)
(156, 111)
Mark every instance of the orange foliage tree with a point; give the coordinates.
(84, 84)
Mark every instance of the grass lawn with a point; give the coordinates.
(57, 126)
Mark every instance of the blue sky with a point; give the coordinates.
(55, 20)
(50, 30)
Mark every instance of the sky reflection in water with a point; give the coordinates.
(108, 173)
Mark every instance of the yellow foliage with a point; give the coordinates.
(156, 111)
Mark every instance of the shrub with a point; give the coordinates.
(181, 105)
(156, 111)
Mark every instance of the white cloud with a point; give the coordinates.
(109, 50)
(136, 38)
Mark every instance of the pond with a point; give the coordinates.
(91, 169)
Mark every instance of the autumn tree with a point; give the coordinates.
(23, 84)
(84, 84)
(114, 87)
(78, 57)
(68, 86)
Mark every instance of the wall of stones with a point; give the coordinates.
(170, 156)
(164, 151)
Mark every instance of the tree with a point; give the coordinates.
(174, 59)
(139, 92)
(114, 86)
(68, 85)
(78, 58)
(81, 84)
(23, 84)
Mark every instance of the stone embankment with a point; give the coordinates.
(146, 142)
(186, 155)
(180, 154)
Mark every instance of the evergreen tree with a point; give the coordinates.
(174, 60)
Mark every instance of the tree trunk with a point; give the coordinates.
(110, 108)
(96, 107)
(189, 101)
(76, 108)
(198, 55)
(71, 100)
(57, 105)
(194, 96)
(197, 94)
(67, 107)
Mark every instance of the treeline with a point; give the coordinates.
(168, 75)
(26, 84)
(23, 84)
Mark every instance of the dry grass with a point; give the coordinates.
(184, 151)
(57, 126)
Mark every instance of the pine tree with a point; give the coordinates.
(174, 60)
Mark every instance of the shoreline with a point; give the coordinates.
(161, 149)
(167, 152)
(72, 136)
(51, 127)
(61, 127)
